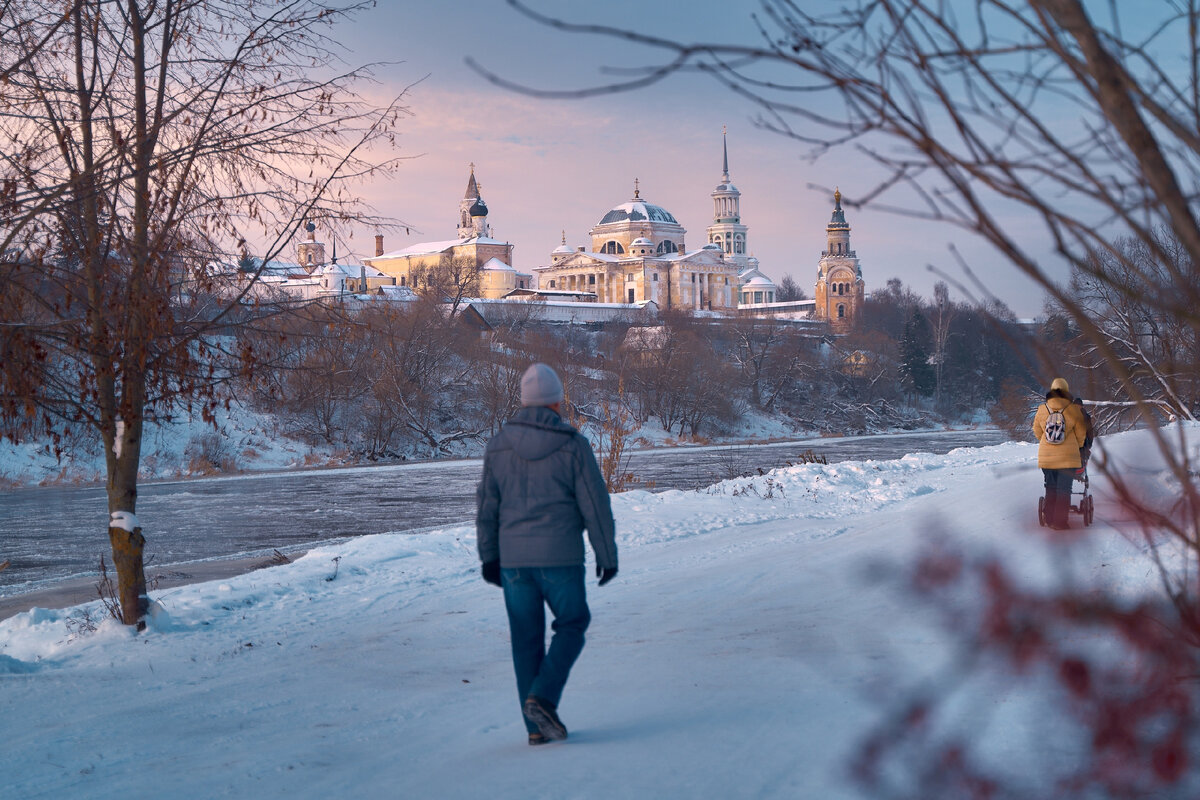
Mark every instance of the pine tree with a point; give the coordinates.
(915, 370)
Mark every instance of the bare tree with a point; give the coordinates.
(1160, 352)
(140, 142)
(453, 279)
(789, 290)
(768, 358)
(423, 372)
(940, 317)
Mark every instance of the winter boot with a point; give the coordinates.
(542, 714)
(1050, 510)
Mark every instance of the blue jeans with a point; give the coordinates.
(527, 592)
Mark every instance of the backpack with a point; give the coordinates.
(1056, 427)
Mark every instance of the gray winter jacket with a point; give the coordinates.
(541, 487)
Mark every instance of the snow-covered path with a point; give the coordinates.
(743, 651)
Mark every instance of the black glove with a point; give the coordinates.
(605, 574)
(491, 572)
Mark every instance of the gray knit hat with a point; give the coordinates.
(540, 386)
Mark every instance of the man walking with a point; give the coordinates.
(541, 487)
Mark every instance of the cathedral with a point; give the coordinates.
(638, 254)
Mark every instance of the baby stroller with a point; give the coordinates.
(1084, 506)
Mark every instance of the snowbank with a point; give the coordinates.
(744, 649)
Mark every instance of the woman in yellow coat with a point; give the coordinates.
(1061, 430)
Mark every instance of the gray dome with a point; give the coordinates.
(638, 211)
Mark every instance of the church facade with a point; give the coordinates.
(491, 257)
(638, 254)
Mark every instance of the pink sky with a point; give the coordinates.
(546, 166)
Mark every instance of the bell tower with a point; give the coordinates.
(727, 230)
(840, 288)
(469, 222)
(310, 253)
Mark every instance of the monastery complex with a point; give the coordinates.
(638, 257)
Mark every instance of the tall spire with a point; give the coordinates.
(725, 153)
(472, 187)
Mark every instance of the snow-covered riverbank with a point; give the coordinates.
(743, 651)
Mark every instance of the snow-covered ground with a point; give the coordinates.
(750, 641)
(242, 440)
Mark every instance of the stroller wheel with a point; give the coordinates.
(1042, 511)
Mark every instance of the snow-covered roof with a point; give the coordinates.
(352, 270)
(704, 253)
(759, 282)
(605, 257)
(637, 211)
(497, 264)
(561, 311)
(397, 292)
(429, 248)
(549, 293)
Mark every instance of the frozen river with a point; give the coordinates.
(54, 533)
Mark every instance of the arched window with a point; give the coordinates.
(612, 247)
(551, 284)
(739, 244)
(667, 247)
(841, 311)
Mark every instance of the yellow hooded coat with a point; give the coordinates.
(1066, 454)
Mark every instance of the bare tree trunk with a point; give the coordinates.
(128, 546)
